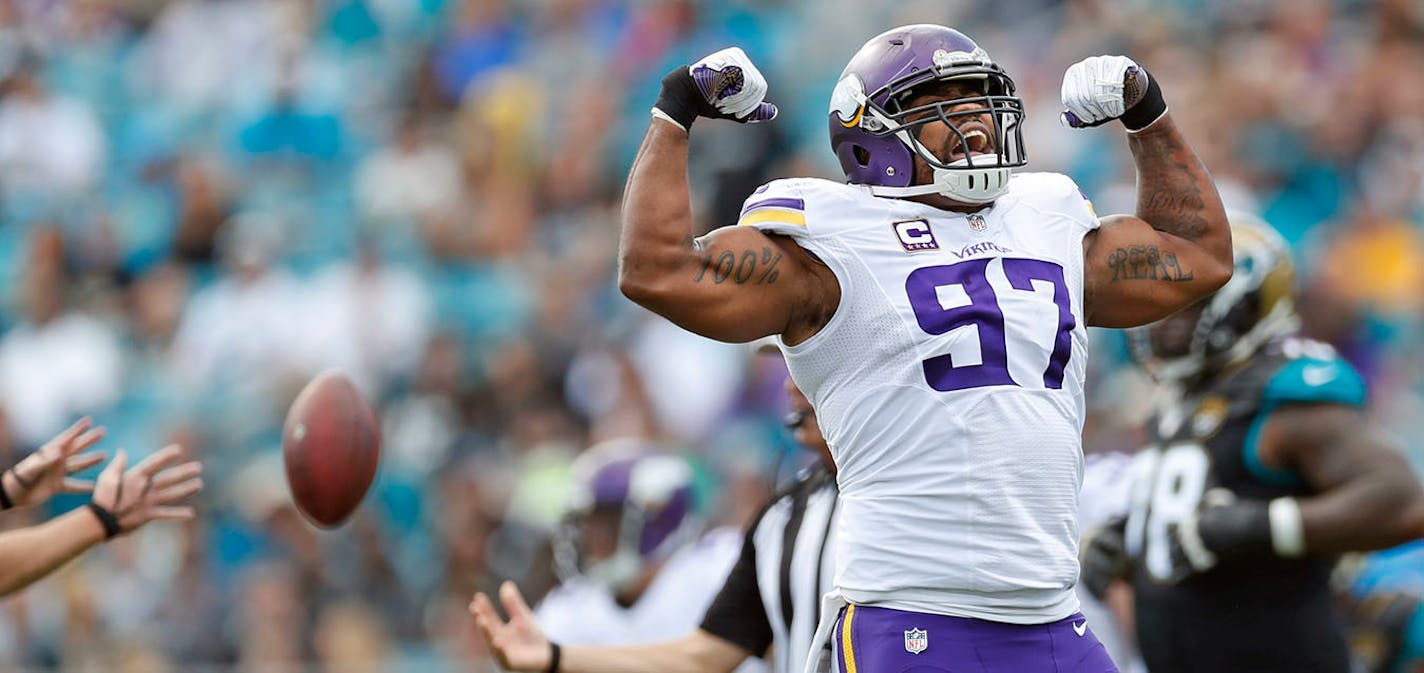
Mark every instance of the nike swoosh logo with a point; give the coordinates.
(1080, 628)
(1317, 375)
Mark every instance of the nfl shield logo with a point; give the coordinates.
(977, 223)
(916, 641)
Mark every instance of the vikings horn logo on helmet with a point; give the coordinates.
(848, 101)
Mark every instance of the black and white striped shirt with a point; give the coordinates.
(772, 598)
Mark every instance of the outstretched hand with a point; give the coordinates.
(518, 644)
(150, 489)
(45, 473)
(1104, 558)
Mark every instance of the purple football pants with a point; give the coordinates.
(881, 640)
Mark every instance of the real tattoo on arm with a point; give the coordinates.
(1147, 262)
(1171, 184)
(746, 268)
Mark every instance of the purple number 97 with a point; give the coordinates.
(952, 296)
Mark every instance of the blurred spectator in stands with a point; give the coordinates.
(58, 361)
(368, 318)
(411, 179)
(483, 36)
(204, 204)
(352, 638)
(290, 126)
(501, 150)
(271, 622)
(202, 57)
(51, 148)
(242, 334)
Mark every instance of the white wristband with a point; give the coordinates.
(664, 116)
(1287, 528)
(1154, 121)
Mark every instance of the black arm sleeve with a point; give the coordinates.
(738, 615)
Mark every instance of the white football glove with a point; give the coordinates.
(739, 97)
(723, 85)
(1100, 89)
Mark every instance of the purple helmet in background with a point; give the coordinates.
(875, 136)
(641, 496)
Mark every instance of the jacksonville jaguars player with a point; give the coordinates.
(1261, 467)
(935, 310)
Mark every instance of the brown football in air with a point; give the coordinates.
(331, 444)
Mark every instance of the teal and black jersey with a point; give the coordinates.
(1257, 614)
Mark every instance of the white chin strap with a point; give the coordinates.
(982, 183)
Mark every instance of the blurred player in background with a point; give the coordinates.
(1381, 597)
(768, 607)
(1104, 498)
(1260, 469)
(935, 312)
(123, 501)
(636, 564)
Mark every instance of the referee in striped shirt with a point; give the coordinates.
(768, 607)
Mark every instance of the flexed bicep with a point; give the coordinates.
(1176, 247)
(1134, 274)
(737, 284)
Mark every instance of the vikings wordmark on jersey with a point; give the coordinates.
(960, 345)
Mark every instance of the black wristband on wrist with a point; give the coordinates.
(5, 502)
(1149, 108)
(107, 520)
(1239, 529)
(554, 651)
(679, 97)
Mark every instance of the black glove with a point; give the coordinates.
(1149, 105)
(1222, 528)
(1103, 556)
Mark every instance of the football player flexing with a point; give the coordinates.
(1260, 468)
(935, 309)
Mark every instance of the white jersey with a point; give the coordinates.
(581, 612)
(949, 385)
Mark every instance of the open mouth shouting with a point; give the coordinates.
(973, 139)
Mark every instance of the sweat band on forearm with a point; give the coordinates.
(1149, 108)
(1287, 528)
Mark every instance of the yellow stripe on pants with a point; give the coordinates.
(845, 639)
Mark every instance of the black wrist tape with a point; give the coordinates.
(1148, 109)
(1239, 529)
(554, 651)
(679, 97)
(5, 502)
(107, 519)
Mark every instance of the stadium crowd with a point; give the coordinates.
(203, 203)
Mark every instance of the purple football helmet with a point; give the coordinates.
(876, 137)
(642, 497)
